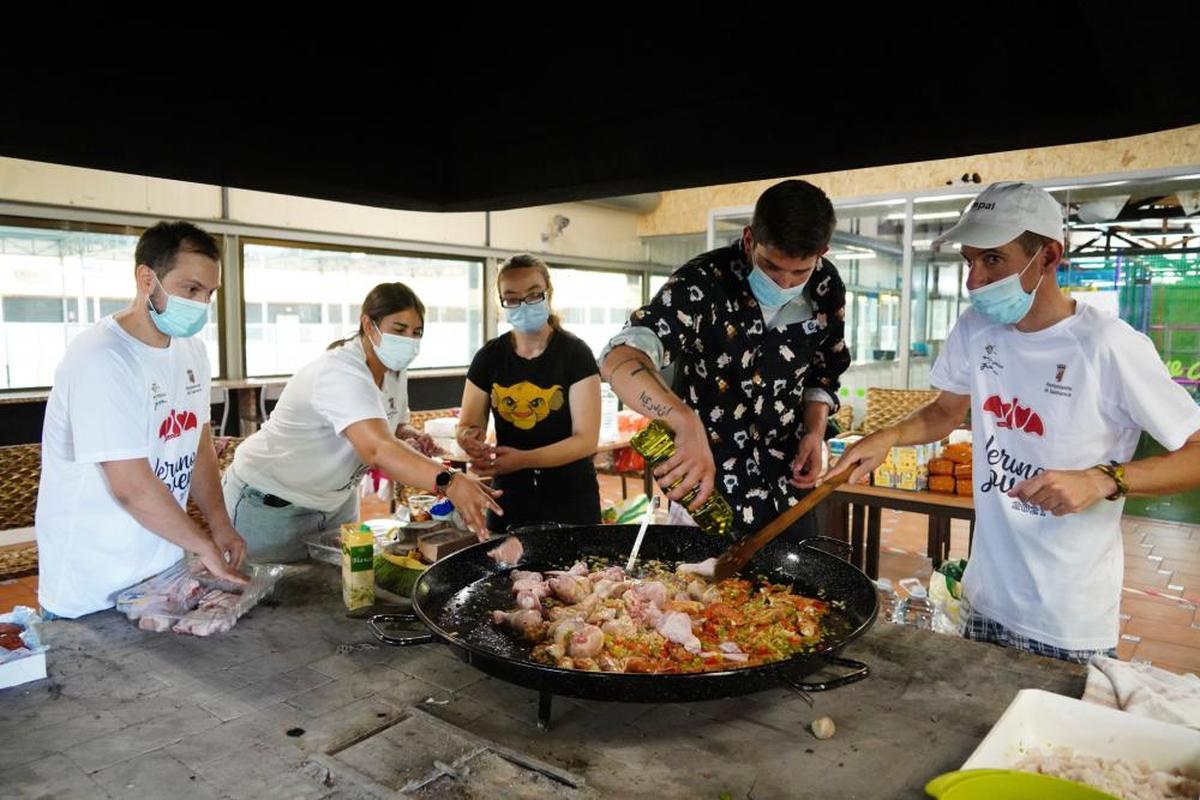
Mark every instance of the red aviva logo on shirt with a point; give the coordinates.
(175, 424)
(1017, 417)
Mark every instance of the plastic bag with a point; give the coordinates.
(945, 595)
(187, 598)
(30, 635)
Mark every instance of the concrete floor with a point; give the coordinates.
(298, 701)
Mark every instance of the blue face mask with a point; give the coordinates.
(769, 293)
(528, 317)
(1005, 301)
(394, 351)
(181, 318)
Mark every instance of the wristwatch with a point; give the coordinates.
(442, 482)
(1117, 473)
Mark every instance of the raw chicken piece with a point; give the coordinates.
(605, 589)
(509, 552)
(609, 574)
(602, 614)
(585, 642)
(529, 600)
(676, 626)
(621, 626)
(581, 610)
(560, 633)
(653, 592)
(520, 575)
(527, 622)
(703, 568)
(640, 609)
(155, 622)
(215, 614)
(570, 588)
(703, 591)
(530, 585)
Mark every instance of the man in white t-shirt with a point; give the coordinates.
(1059, 393)
(126, 438)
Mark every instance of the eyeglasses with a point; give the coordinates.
(529, 299)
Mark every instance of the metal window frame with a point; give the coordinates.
(910, 200)
(232, 235)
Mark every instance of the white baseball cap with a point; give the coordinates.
(1003, 212)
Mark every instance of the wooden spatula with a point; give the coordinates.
(736, 557)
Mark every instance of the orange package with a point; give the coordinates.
(963, 487)
(958, 453)
(941, 466)
(962, 471)
(941, 483)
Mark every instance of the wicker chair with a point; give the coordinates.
(226, 446)
(888, 406)
(20, 472)
(844, 418)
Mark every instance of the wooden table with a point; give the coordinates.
(862, 529)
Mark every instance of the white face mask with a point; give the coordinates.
(394, 351)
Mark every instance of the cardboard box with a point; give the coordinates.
(436, 546)
(911, 480)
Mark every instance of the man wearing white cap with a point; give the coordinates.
(1059, 393)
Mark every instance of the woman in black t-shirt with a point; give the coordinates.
(543, 387)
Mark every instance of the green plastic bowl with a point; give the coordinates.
(1004, 784)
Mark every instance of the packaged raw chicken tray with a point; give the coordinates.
(22, 654)
(186, 598)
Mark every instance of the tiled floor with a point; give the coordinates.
(1162, 580)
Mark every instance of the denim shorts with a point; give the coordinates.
(276, 533)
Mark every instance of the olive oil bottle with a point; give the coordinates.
(656, 443)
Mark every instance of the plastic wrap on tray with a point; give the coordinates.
(188, 599)
(27, 639)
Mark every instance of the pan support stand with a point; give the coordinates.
(544, 701)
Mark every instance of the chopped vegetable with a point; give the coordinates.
(397, 574)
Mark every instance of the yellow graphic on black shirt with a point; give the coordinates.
(525, 404)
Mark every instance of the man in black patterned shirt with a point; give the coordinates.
(755, 330)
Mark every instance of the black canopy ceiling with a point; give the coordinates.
(464, 109)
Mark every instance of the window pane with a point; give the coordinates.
(592, 305)
(303, 312)
(47, 277)
(33, 309)
(866, 249)
(110, 306)
(296, 282)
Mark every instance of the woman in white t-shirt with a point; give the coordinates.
(341, 414)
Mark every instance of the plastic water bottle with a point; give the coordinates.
(608, 413)
(888, 600)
